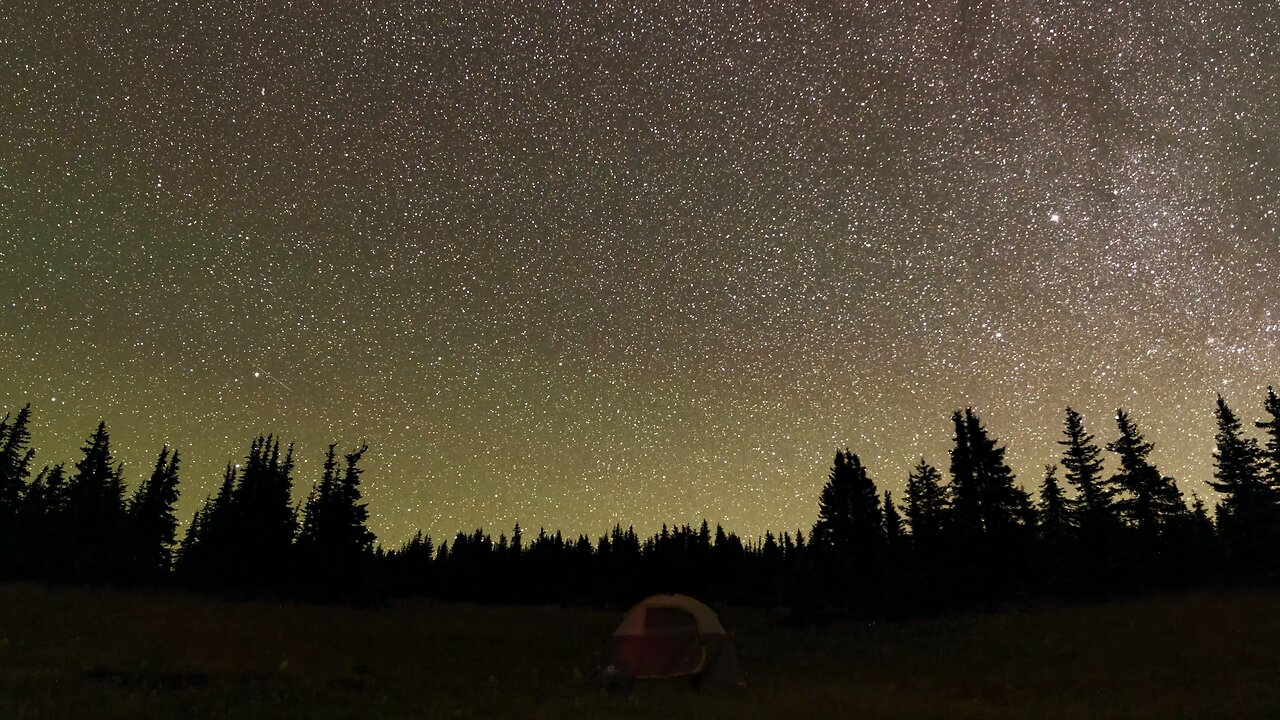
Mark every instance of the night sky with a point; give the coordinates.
(582, 263)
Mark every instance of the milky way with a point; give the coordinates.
(582, 263)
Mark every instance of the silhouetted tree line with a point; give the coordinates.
(973, 537)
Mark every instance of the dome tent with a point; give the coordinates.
(674, 636)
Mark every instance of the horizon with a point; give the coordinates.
(194, 490)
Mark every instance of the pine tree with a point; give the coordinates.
(965, 513)
(15, 467)
(319, 504)
(1094, 505)
(926, 503)
(1150, 500)
(1055, 510)
(219, 521)
(1271, 451)
(849, 516)
(1247, 513)
(1200, 527)
(770, 550)
(187, 559)
(42, 530)
(335, 541)
(353, 515)
(95, 512)
(1001, 505)
(36, 496)
(153, 525)
(15, 463)
(893, 529)
(244, 534)
(206, 556)
(46, 493)
(263, 517)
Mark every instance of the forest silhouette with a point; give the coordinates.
(975, 538)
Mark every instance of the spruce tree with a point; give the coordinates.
(1248, 512)
(1055, 531)
(153, 525)
(45, 550)
(319, 506)
(351, 512)
(15, 463)
(1002, 505)
(926, 503)
(770, 550)
(264, 518)
(1271, 450)
(965, 513)
(1150, 501)
(1200, 514)
(244, 535)
(219, 521)
(334, 519)
(849, 517)
(187, 558)
(1094, 506)
(95, 512)
(1200, 530)
(1055, 509)
(893, 529)
(335, 541)
(15, 467)
(207, 555)
(44, 492)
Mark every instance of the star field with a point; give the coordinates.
(574, 264)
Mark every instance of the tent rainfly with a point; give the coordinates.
(674, 636)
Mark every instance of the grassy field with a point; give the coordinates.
(78, 653)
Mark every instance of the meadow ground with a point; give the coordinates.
(89, 653)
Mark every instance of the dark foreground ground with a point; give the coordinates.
(76, 653)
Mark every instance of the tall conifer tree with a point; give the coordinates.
(153, 525)
(1271, 450)
(1001, 505)
(893, 529)
(1055, 509)
(1094, 505)
(1150, 500)
(15, 467)
(95, 512)
(264, 517)
(319, 504)
(926, 503)
(965, 514)
(42, 529)
(1248, 509)
(15, 462)
(849, 519)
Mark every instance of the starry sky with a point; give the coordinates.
(577, 263)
